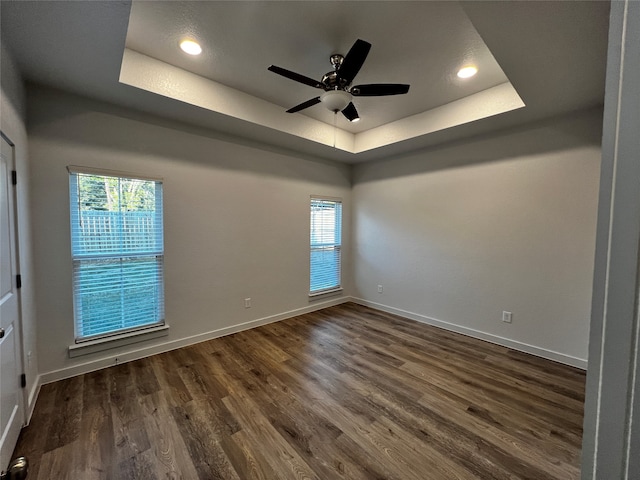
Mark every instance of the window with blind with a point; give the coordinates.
(326, 244)
(117, 248)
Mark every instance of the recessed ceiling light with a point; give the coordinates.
(357, 119)
(467, 72)
(190, 47)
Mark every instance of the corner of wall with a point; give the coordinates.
(470, 332)
(32, 398)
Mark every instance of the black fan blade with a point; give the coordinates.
(379, 89)
(296, 77)
(303, 105)
(350, 112)
(353, 61)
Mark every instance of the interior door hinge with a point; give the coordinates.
(14, 177)
(23, 380)
(18, 281)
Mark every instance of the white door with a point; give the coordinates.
(11, 407)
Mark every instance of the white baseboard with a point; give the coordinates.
(142, 352)
(470, 332)
(34, 391)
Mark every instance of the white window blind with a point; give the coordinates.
(326, 244)
(117, 248)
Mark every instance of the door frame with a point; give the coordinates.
(611, 439)
(18, 327)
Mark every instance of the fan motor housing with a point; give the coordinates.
(332, 82)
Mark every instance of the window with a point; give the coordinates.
(117, 248)
(326, 244)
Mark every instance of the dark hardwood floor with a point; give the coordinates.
(344, 393)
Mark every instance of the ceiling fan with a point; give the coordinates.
(336, 84)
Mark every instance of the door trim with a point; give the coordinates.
(19, 330)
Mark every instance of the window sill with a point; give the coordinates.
(101, 344)
(325, 292)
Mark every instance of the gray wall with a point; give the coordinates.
(236, 222)
(455, 235)
(12, 124)
(460, 233)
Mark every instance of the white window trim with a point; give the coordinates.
(118, 340)
(327, 291)
(126, 337)
(338, 288)
(112, 173)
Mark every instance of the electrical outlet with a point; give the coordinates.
(506, 316)
(29, 358)
(247, 303)
(380, 288)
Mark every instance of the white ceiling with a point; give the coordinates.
(553, 53)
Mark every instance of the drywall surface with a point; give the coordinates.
(12, 124)
(459, 234)
(236, 222)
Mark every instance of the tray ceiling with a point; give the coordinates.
(552, 53)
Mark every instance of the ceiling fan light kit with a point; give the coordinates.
(335, 100)
(338, 92)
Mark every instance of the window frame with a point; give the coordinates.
(337, 245)
(126, 335)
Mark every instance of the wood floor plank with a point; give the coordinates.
(63, 462)
(312, 435)
(354, 418)
(357, 410)
(165, 370)
(493, 410)
(168, 446)
(140, 467)
(144, 378)
(344, 393)
(367, 402)
(96, 433)
(493, 418)
(280, 455)
(65, 424)
(32, 440)
(246, 458)
(202, 439)
(130, 436)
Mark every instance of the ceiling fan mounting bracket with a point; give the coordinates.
(336, 60)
